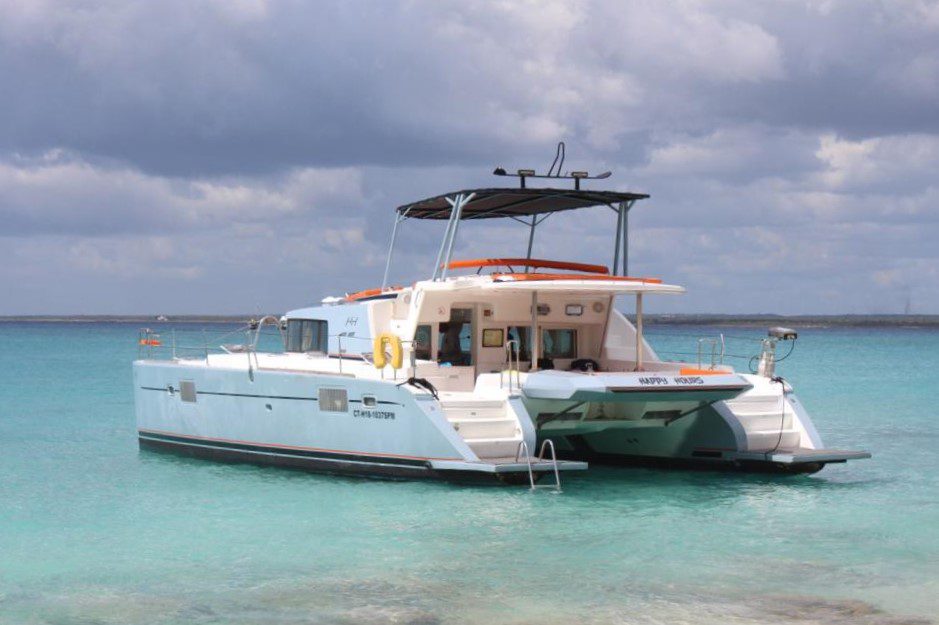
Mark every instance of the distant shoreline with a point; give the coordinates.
(801, 321)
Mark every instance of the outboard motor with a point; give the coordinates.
(767, 364)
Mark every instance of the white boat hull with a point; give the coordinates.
(275, 417)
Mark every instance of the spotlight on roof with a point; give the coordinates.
(554, 172)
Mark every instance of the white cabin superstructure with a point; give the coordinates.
(507, 368)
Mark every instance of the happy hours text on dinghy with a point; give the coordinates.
(499, 369)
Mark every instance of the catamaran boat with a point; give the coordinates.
(494, 369)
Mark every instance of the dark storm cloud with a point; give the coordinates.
(187, 88)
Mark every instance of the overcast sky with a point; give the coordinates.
(241, 156)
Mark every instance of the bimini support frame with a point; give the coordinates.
(534, 223)
(526, 206)
(622, 237)
(445, 254)
(639, 331)
(391, 247)
(533, 347)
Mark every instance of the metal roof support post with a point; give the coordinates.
(461, 201)
(639, 331)
(391, 247)
(619, 233)
(443, 243)
(533, 348)
(531, 238)
(456, 207)
(625, 207)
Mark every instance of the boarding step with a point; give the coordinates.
(495, 447)
(471, 404)
(487, 425)
(754, 398)
(773, 439)
(757, 421)
(801, 455)
(487, 428)
(467, 409)
(466, 414)
(513, 465)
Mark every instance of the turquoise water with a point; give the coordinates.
(94, 531)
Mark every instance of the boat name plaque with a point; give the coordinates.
(663, 381)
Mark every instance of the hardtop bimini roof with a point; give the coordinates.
(492, 203)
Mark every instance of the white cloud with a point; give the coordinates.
(58, 193)
(895, 161)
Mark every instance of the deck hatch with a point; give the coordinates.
(187, 391)
(333, 400)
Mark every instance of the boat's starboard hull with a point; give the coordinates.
(636, 386)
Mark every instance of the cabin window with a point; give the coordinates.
(307, 335)
(455, 345)
(559, 343)
(422, 342)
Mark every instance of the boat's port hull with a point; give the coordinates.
(317, 461)
(332, 424)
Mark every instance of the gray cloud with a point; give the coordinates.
(216, 155)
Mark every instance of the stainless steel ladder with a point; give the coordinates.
(549, 445)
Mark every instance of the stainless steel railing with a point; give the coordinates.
(717, 353)
(511, 349)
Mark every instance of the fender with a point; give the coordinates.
(381, 358)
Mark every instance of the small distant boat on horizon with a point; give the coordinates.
(162, 318)
(493, 369)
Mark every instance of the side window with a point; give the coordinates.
(422, 342)
(559, 343)
(307, 335)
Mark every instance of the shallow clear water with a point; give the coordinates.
(94, 531)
